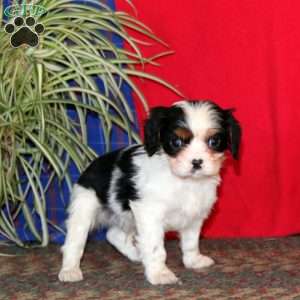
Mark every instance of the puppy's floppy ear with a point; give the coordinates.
(234, 132)
(152, 129)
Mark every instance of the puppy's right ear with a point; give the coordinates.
(152, 129)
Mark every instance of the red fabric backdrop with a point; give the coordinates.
(242, 54)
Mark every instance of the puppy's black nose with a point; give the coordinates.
(197, 163)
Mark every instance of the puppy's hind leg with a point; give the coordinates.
(82, 217)
(124, 242)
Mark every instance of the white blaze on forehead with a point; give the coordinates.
(200, 116)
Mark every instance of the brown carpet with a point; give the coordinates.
(245, 269)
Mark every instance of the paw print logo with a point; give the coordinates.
(24, 31)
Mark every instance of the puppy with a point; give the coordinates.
(142, 191)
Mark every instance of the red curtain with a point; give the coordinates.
(242, 54)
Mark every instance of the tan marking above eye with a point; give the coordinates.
(183, 133)
(211, 132)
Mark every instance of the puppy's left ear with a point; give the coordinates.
(234, 132)
(152, 129)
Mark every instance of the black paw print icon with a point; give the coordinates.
(24, 31)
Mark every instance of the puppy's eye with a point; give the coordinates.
(176, 142)
(214, 142)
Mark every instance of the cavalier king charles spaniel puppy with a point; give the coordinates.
(142, 191)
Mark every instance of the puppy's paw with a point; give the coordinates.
(134, 255)
(132, 251)
(70, 275)
(162, 276)
(198, 262)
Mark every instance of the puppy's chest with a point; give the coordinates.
(189, 206)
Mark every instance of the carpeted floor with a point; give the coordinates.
(245, 269)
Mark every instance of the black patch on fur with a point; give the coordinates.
(125, 185)
(98, 176)
(234, 132)
(160, 129)
(152, 129)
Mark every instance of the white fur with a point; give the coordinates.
(169, 203)
(172, 197)
(83, 213)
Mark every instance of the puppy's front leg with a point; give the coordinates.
(151, 245)
(192, 258)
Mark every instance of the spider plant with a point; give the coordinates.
(40, 86)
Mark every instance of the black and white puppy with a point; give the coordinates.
(142, 191)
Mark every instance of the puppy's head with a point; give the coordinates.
(194, 135)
